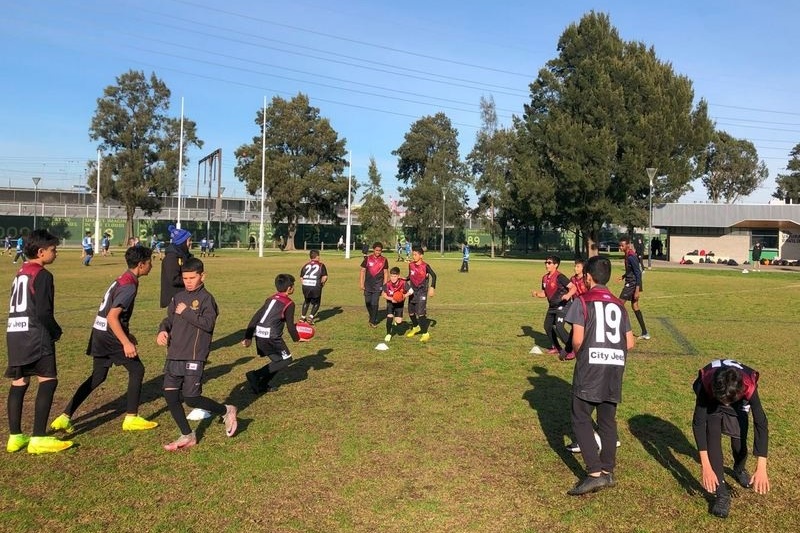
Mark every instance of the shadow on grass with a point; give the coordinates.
(539, 339)
(664, 442)
(325, 314)
(242, 397)
(550, 397)
(151, 391)
(231, 339)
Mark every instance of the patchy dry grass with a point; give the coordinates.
(464, 433)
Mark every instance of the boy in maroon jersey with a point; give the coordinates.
(394, 308)
(558, 291)
(632, 277)
(267, 327)
(313, 277)
(112, 344)
(727, 392)
(31, 337)
(423, 282)
(601, 337)
(374, 275)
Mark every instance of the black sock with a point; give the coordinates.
(16, 396)
(640, 318)
(389, 321)
(44, 401)
(173, 399)
(414, 321)
(424, 323)
(206, 404)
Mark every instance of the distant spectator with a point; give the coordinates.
(757, 247)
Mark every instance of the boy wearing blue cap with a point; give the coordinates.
(175, 255)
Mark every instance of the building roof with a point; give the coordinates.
(780, 216)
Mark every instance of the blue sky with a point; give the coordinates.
(373, 68)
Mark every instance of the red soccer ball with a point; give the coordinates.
(306, 331)
(398, 297)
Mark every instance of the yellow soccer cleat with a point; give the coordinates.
(17, 442)
(40, 445)
(137, 423)
(413, 331)
(62, 423)
(425, 337)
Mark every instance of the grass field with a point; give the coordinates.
(463, 434)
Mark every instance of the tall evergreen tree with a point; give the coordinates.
(140, 143)
(374, 215)
(304, 163)
(731, 168)
(602, 112)
(435, 177)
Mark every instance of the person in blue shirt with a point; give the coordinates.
(88, 249)
(105, 242)
(465, 258)
(20, 245)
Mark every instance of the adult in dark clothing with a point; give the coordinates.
(757, 248)
(638, 246)
(726, 392)
(601, 338)
(176, 254)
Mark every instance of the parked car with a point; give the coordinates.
(608, 246)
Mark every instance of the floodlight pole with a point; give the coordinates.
(444, 193)
(35, 197)
(651, 173)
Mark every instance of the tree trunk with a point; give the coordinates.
(291, 230)
(129, 223)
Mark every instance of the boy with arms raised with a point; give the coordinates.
(111, 343)
(31, 336)
(187, 331)
(267, 326)
(601, 338)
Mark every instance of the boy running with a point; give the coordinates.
(423, 282)
(267, 326)
(395, 291)
(187, 331)
(313, 277)
(31, 336)
(88, 248)
(111, 343)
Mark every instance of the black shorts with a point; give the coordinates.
(118, 359)
(628, 292)
(275, 349)
(44, 367)
(395, 309)
(185, 376)
(312, 293)
(418, 303)
(90, 251)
